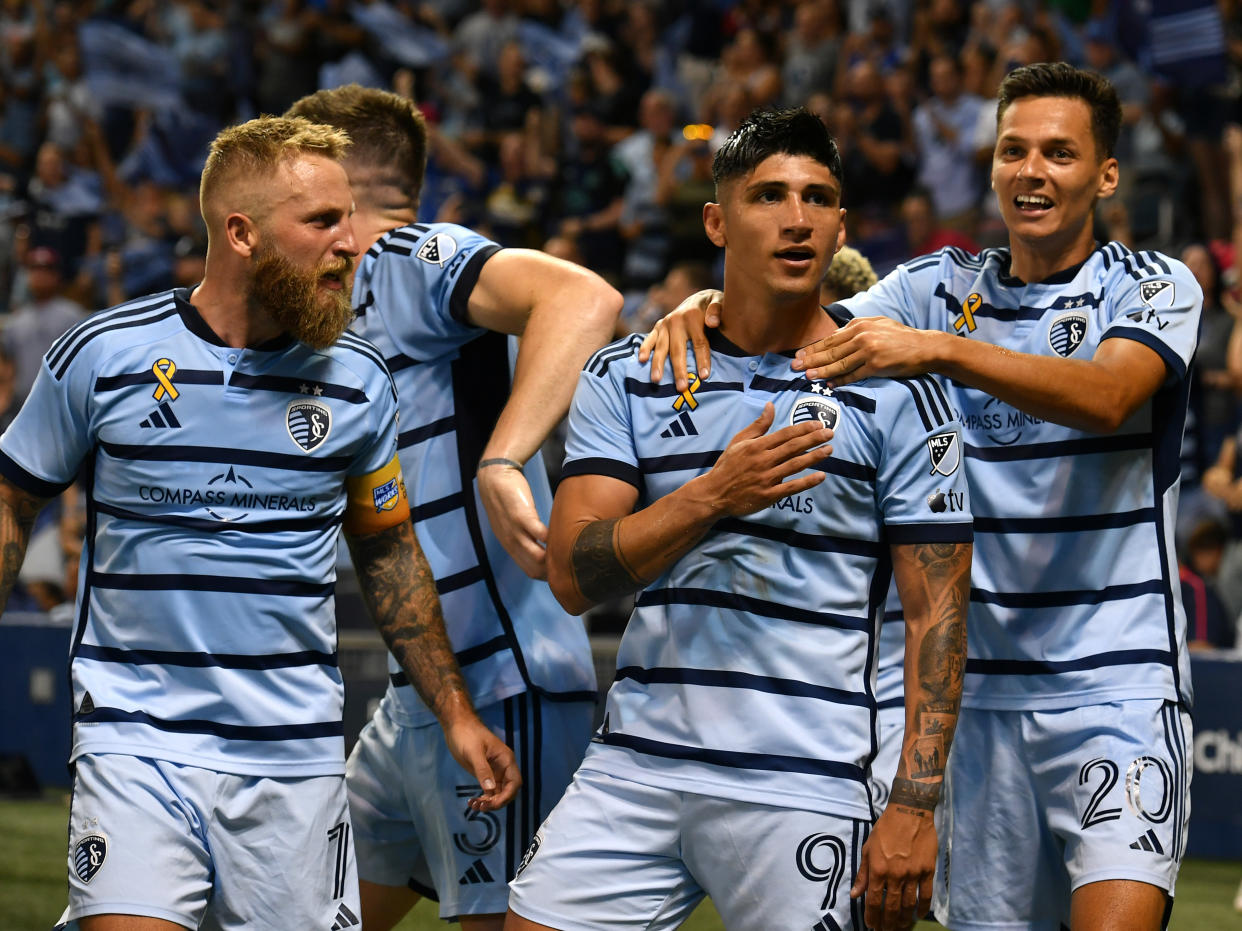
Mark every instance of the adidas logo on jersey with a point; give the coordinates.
(477, 873)
(681, 425)
(1148, 842)
(344, 919)
(162, 416)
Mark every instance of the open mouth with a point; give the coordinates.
(798, 256)
(1032, 203)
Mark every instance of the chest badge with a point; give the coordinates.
(308, 423)
(1067, 332)
(807, 409)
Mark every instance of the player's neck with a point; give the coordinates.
(760, 326)
(371, 222)
(223, 306)
(1032, 262)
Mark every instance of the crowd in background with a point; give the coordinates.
(586, 128)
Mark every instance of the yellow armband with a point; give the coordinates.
(376, 501)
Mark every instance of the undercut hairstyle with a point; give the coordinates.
(257, 147)
(1057, 79)
(387, 130)
(765, 133)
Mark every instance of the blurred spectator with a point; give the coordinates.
(682, 280)
(877, 171)
(684, 186)
(748, 62)
(1208, 622)
(64, 204)
(516, 207)
(644, 219)
(944, 133)
(923, 231)
(1223, 481)
(38, 321)
(507, 105)
(480, 36)
(590, 186)
(811, 51)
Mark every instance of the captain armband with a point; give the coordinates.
(376, 501)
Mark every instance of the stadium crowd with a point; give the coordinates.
(586, 128)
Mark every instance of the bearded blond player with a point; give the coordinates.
(225, 435)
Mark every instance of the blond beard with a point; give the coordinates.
(293, 298)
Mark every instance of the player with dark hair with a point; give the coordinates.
(738, 734)
(440, 301)
(226, 435)
(1068, 790)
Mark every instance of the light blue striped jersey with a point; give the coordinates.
(215, 481)
(748, 669)
(510, 635)
(1074, 589)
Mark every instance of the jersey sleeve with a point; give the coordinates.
(921, 476)
(601, 436)
(374, 488)
(1157, 305)
(43, 449)
(901, 295)
(422, 278)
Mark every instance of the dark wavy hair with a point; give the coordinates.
(1057, 79)
(764, 133)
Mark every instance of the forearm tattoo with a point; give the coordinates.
(600, 571)
(940, 669)
(17, 515)
(400, 592)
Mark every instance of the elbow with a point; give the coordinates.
(560, 580)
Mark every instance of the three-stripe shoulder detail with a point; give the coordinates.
(613, 352)
(139, 312)
(930, 401)
(365, 348)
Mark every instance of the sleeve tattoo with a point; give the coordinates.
(400, 592)
(600, 571)
(940, 668)
(17, 515)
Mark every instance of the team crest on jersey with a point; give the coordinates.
(309, 423)
(1158, 295)
(821, 409)
(946, 452)
(437, 249)
(88, 856)
(1067, 332)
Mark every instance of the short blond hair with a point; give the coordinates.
(255, 149)
(849, 273)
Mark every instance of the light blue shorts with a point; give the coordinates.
(891, 728)
(617, 855)
(409, 800)
(208, 849)
(1039, 803)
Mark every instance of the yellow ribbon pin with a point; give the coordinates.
(687, 396)
(164, 370)
(967, 317)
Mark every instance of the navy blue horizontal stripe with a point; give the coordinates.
(31, 484)
(641, 388)
(679, 462)
(1087, 446)
(438, 506)
(209, 525)
(821, 543)
(843, 468)
(1064, 524)
(215, 728)
(1038, 667)
(711, 598)
(736, 759)
(777, 385)
(897, 615)
(284, 385)
(898, 702)
(240, 457)
(957, 532)
(567, 697)
(427, 431)
(173, 581)
(459, 580)
(622, 471)
(1067, 599)
(1152, 342)
(401, 361)
(181, 377)
(206, 660)
(724, 679)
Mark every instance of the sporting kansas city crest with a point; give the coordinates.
(309, 423)
(437, 249)
(88, 856)
(821, 409)
(1067, 332)
(946, 452)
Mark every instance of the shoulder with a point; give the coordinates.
(620, 357)
(357, 360)
(921, 399)
(1122, 265)
(100, 333)
(434, 244)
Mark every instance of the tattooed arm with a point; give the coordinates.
(899, 859)
(18, 509)
(400, 593)
(598, 549)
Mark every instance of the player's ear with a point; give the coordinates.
(1109, 177)
(840, 234)
(241, 233)
(713, 223)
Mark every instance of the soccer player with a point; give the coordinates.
(1068, 788)
(225, 436)
(438, 301)
(734, 752)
